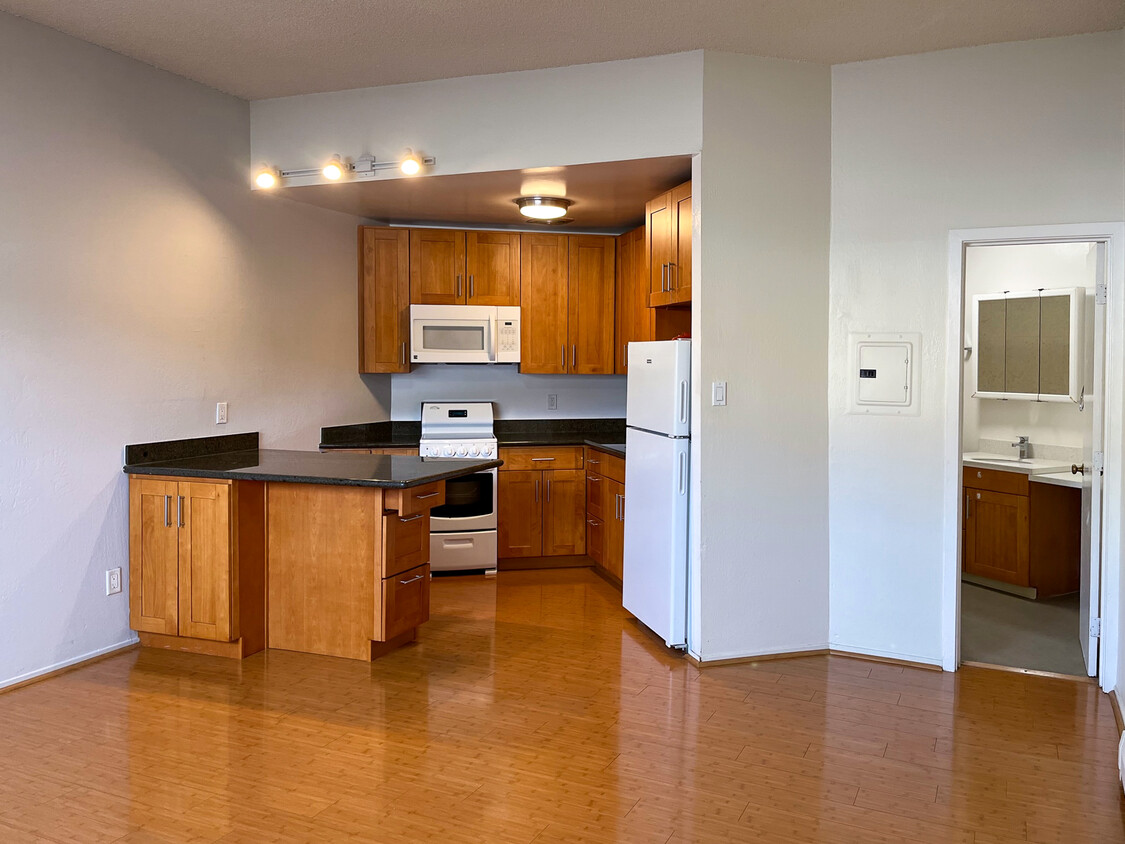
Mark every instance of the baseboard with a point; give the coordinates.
(892, 657)
(58, 668)
(534, 563)
(767, 657)
(1113, 702)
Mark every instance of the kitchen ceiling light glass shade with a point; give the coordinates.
(266, 178)
(411, 165)
(334, 169)
(543, 207)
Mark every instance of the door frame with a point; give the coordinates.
(1113, 235)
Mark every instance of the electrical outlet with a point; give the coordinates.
(113, 581)
(552, 402)
(221, 413)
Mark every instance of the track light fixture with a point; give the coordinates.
(337, 169)
(266, 177)
(411, 164)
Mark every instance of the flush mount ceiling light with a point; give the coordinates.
(335, 168)
(266, 177)
(543, 207)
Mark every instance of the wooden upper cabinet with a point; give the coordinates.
(384, 299)
(492, 265)
(635, 319)
(564, 512)
(437, 267)
(679, 274)
(543, 302)
(153, 550)
(668, 246)
(203, 511)
(591, 293)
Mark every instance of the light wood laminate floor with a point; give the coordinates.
(534, 709)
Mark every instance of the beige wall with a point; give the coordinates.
(140, 282)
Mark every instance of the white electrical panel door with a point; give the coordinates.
(881, 373)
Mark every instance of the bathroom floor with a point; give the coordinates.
(1002, 629)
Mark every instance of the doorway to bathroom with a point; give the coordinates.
(1028, 471)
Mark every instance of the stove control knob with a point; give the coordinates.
(462, 451)
(487, 452)
(474, 450)
(448, 451)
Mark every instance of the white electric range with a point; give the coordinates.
(463, 530)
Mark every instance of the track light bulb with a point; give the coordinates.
(334, 169)
(266, 178)
(411, 165)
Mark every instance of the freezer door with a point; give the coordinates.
(658, 395)
(656, 513)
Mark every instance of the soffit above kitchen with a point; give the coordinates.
(286, 47)
(606, 197)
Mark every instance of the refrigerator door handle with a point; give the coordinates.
(683, 472)
(683, 401)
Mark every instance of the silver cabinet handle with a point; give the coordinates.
(564, 356)
(548, 489)
(411, 518)
(671, 283)
(625, 354)
(592, 460)
(968, 509)
(402, 355)
(472, 287)
(167, 511)
(540, 459)
(458, 285)
(574, 357)
(427, 495)
(593, 480)
(180, 511)
(408, 582)
(593, 522)
(537, 491)
(663, 278)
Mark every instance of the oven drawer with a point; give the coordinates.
(417, 499)
(528, 458)
(470, 550)
(406, 542)
(406, 602)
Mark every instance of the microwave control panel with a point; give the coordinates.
(507, 336)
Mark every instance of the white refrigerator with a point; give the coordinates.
(657, 461)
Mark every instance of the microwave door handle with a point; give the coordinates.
(493, 343)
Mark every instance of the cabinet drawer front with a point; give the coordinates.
(406, 602)
(995, 480)
(595, 495)
(527, 458)
(595, 540)
(418, 499)
(406, 542)
(605, 464)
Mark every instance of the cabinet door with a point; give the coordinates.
(1021, 345)
(989, 351)
(996, 536)
(203, 511)
(591, 286)
(153, 578)
(679, 272)
(492, 262)
(658, 247)
(1055, 365)
(595, 540)
(437, 267)
(635, 319)
(519, 514)
(615, 529)
(564, 512)
(384, 299)
(543, 304)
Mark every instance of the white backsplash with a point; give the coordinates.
(515, 396)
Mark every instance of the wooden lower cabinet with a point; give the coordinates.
(605, 511)
(541, 511)
(1021, 532)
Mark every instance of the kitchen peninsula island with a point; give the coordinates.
(233, 548)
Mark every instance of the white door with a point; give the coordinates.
(658, 392)
(1092, 462)
(654, 581)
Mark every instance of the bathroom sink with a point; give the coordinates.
(1029, 466)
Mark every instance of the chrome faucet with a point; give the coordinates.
(1024, 445)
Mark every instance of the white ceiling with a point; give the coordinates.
(272, 48)
(608, 197)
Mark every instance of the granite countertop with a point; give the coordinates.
(612, 448)
(509, 432)
(237, 457)
(1058, 479)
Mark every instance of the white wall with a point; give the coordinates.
(1008, 134)
(760, 306)
(995, 269)
(515, 396)
(611, 111)
(140, 282)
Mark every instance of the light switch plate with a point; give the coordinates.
(552, 401)
(221, 413)
(718, 393)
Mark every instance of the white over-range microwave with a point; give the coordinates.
(464, 334)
